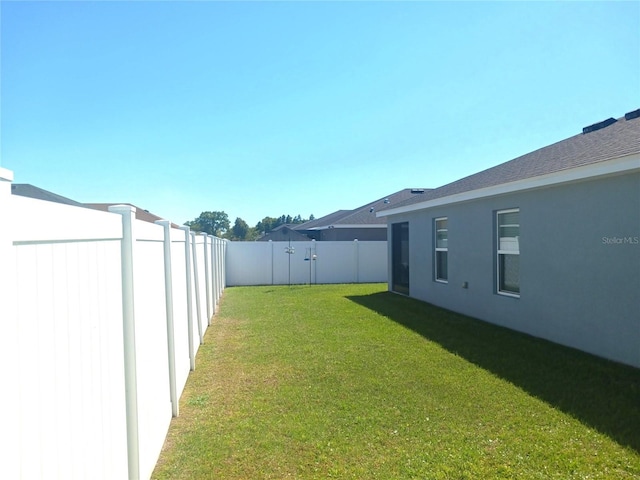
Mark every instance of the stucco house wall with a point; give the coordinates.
(579, 263)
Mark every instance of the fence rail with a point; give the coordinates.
(102, 317)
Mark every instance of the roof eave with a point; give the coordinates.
(351, 225)
(625, 164)
(6, 175)
(361, 225)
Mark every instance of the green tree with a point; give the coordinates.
(213, 223)
(266, 224)
(240, 230)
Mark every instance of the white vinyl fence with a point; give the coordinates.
(282, 263)
(101, 317)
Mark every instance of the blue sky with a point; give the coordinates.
(269, 108)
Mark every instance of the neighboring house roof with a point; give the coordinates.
(31, 191)
(141, 214)
(600, 142)
(284, 233)
(364, 216)
(323, 221)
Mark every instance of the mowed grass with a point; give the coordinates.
(349, 381)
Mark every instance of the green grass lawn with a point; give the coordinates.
(349, 381)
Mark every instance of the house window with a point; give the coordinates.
(508, 247)
(442, 250)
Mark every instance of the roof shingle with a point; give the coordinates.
(364, 215)
(616, 140)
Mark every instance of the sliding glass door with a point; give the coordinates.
(400, 257)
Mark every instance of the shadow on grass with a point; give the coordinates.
(601, 394)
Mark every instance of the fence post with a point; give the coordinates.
(207, 280)
(196, 282)
(357, 259)
(129, 337)
(218, 269)
(314, 259)
(168, 295)
(271, 243)
(187, 260)
(215, 258)
(214, 282)
(224, 264)
(221, 268)
(9, 405)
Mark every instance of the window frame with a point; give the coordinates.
(501, 252)
(436, 273)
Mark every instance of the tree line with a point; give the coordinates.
(218, 224)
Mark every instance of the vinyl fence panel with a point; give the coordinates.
(372, 262)
(154, 411)
(99, 317)
(180, 310)
(69, 345)
(338, 262)
(282, 263)
(250, 263)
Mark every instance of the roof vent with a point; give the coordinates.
(371, 210)
(630, 115)
(599, 125)
(386, 200)
(417, 190)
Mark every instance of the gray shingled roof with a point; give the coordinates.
(364, 215)
(283, 233)
(141, 214)
(323, 221)
(617, 140)
(31, 191)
